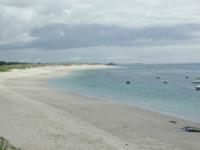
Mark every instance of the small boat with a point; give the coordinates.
(197, 88)
(196, 82)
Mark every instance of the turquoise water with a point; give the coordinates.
(177, 98)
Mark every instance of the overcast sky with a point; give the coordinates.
(100, 30)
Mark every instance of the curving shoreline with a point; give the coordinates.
(35, 116)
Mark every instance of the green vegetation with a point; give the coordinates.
(5, 145)
(8, 67)
(4, 68)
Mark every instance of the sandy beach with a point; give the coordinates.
(35, 116)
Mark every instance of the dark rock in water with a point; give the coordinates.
(172, 121)
(157, 77)
(128, 82)
(191, 129)
(165, 82)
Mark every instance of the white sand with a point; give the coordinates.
(34, 116)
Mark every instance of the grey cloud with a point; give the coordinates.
(61, 36)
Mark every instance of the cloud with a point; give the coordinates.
(147, 21)
(62, 36)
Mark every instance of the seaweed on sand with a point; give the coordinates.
(191, 129)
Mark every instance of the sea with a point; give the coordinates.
(163, 88)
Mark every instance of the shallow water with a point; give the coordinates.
(177, 98)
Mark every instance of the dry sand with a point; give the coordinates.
(35, 116)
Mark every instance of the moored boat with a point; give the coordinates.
(197, 87)
(196, 82)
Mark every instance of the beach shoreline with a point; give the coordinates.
(37, 116)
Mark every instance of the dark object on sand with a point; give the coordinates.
(165, 82)
(191, 129)
(158, 78)
(128, 82)
(172, 121)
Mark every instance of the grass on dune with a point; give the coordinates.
(5, 145)
(5, 68)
